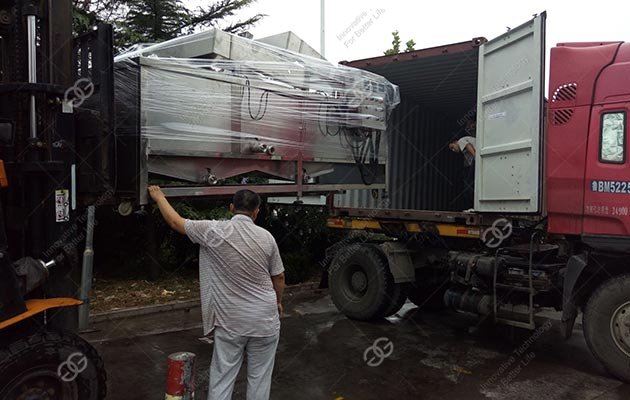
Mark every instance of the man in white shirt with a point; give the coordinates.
(466, 146)
(241, 278)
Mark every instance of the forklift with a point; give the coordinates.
(56, 135)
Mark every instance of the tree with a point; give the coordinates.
(149, 21)
(155, 20)
(87, 13)
(221, 10)
(395, 45)
(410, 45)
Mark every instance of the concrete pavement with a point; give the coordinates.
(323, 355)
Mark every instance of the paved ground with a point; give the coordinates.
(321, 356)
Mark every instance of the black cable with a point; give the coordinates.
(371, 145)
(264, 94)
(327, 112)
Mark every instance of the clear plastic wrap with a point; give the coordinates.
(217, 96)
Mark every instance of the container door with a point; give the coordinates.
(508, 157)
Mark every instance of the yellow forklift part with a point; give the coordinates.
(448, 230)
(4, 181)
(35, 306)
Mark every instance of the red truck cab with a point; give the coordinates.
(587, 165)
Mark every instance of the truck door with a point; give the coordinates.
(510, 122)
(606, 206)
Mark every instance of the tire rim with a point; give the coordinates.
(40, 383)
(359, 281)
(620, 328)
(355, 282)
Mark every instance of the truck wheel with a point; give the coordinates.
(361, 285)
(397, 299)
(51, 366)
(607, 325)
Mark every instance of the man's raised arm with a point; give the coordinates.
(172, 218)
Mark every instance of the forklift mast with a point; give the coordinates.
(56, 124)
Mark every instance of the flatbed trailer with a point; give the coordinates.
(383, 221)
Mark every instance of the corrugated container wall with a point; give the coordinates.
(424, 173)
(438, 89)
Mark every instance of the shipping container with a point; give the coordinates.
(438, 89)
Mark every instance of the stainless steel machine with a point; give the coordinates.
(208, 113)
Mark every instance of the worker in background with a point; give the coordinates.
(466, 145)
(241, 278)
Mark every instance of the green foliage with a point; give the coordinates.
(155, 20)
(82, 20)
(209, 210)
(150, 21)
(395, 45)
(123, 244)
(298, 267)
(176, 252)
(302, 238)
(211, 15)
(410, 45)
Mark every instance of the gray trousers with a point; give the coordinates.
(229, 351)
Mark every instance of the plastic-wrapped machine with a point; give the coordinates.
(213, 112)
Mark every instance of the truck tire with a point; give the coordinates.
(397, 299)
(55, 365)
(607, 325)
(361, 285)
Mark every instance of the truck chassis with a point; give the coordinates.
(506, 270)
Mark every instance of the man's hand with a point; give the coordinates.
(171, 216)
(278, 286)
(155, 192)
(471, 149)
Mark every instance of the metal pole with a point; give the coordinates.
(86, 271)
(322, 37)
(31, 31)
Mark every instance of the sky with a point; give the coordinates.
(362, 28)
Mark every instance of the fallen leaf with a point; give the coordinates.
(462, 370)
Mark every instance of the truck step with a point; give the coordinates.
(515, 288)
(518, 324)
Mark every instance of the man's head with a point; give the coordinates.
(246, 202)
(454, 146)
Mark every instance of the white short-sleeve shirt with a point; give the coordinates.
(469, 159)
(237, 259)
